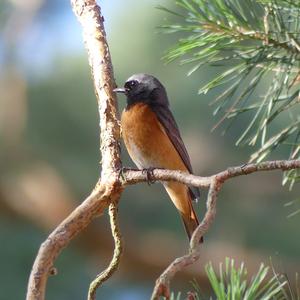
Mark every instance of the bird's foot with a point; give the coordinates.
(121, 173)
(123, 170)
(149, 174)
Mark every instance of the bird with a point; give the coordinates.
(153, 140)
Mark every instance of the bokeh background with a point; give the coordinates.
(49, 159)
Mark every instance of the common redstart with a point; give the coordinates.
(153, 140)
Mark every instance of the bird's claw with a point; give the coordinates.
(149, 175)
(122, 172)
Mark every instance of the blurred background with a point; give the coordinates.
(49, 159)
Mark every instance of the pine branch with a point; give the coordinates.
(256, 46)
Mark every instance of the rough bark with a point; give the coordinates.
(108, 189)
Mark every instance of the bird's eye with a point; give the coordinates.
(133, 82)
(130, 84)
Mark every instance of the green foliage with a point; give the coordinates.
(232, 283)
(255, 48)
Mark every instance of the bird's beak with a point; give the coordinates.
(120, 90)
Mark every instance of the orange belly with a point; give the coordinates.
(146, 140)
(149, 146)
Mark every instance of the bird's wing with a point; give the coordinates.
(167, 120)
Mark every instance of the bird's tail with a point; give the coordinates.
(190, 223)
(182, 199)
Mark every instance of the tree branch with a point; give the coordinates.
(61, 236)
(114, 264)
(162, 286)
(215, 182)
(241, 33)
(109, 188)
(102, 196)
(89, 15)
(131, 176)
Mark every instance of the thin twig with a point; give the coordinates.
(162, 286)
(114, 263)
(60, 238)
(131, 176)
(242, 33)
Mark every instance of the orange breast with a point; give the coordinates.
(146, 140)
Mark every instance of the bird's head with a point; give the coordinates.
(144, 88)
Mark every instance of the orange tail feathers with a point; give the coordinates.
(181, 198)
(190, 223)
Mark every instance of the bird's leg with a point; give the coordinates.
(149, 174)
(147, 171)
